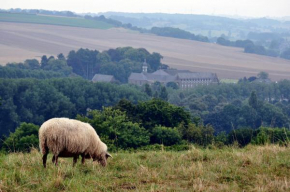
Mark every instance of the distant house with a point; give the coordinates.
(103, 78)
(184, 78)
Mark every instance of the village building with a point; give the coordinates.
(183, 78)
(104, 78)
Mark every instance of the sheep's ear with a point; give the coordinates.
(108, 155)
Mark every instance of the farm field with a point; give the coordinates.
(53, 20)
(19, 41)
(253, 168)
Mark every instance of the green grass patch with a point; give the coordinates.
(254, 168)
(53, 20)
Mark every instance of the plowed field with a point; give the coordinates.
(20, 41)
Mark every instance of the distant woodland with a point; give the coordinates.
(131, 117)
(254, 110)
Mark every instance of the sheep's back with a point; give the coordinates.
(66, 134)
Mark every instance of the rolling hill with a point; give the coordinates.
(20, 41)
(53, 20)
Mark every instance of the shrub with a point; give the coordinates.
(165, 135)
(23, 139)
(242, 136)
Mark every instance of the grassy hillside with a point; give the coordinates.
(254, 168)
(53, 20)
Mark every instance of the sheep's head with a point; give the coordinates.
(102, 158)
(101, 154)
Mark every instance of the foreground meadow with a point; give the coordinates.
(254, 168)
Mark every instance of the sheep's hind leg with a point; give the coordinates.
(56, 159)
(83, 159)
(53, 159)
(44, 158)
(75, 160)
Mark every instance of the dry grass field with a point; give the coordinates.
(19, 41)
(254, 168)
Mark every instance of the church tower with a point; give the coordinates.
(144, 67)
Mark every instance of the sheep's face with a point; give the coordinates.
(102, 158)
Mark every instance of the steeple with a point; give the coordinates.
(145, 66)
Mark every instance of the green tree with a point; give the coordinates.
(148, 90)
(23, 139)
(249, 117)
(199, 134)
(173, 85)
(165, 135)
(103, 57)
(154, 60)
(138, 55)
(163, 94)
(263, 75)
(114, 127)
(32, 64)
(44, 61)
(253, 100)
(60, 56)
(223, 41)
(58, 65)
(83, 62)
(272, 116)
(159, 112)
(241, 136)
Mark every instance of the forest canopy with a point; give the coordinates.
(33, 92)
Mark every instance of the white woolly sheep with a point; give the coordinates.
(70, 138)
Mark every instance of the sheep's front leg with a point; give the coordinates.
(83, 159)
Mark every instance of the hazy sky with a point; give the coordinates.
(249, 8)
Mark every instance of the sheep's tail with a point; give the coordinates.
(42, 145)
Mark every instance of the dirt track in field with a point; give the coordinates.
(20, 41)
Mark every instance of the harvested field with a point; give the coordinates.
(19, 41)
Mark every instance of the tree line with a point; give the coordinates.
(233, 106)
(250, 47)
(177, 33)
(220, 115)
(225, 106)
(119, 62)
(121, 129)
(163, 115)
(36, 100)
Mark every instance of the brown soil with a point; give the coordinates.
(20, 41)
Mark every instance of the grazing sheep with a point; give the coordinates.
(70, 138)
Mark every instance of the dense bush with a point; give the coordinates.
(116, 130)
(23, 139)
(165, 135)
(266, 135)
(261, 136)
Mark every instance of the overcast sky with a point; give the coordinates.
(248, 8)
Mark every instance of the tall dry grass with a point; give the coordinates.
(254, 168)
